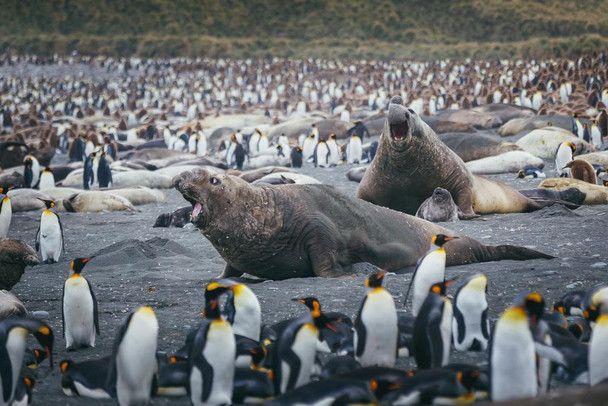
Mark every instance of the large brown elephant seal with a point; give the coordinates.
(411, 162)
(472, 146)
(15, 255)
(288, 231)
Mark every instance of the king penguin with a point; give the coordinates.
(334, 150)
(322, 155)
(47, 179)
(242, 310)
(308, 147)
(296, 157)
(433, 328)
(430, 269)
(31, 173)
(104, 172)
(563, 156)
(354, 153)
(512, 357)
(293, 354)
(88, 174)
(211, 360)
(87, 378)
(13, 335)
(471, 327)
(49, 238)
(376, 326)
(133, 367)
(598, 351)
(6, 212)
(80, 315)
(23, 392)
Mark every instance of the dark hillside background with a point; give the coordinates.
(305, 28)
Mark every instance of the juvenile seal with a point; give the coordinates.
(356, 174)
(508, 162)
(412, 161)
(544, 142)
(15, 255)
(282, 231)
(178, 218)
(439, 207)
(96, 201)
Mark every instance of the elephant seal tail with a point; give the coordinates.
(489, 253)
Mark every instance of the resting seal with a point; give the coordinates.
(439, 207)
(289, 231)
(412, 161)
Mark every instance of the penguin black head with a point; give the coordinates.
(233, 137)
(312, 303)
(44, 335)
(299, 149)
(572, 146)
(213, 291)
(65, 365)
(468, 378)
(257, 130)
(375, 280)
(77, 265)
(441, 288)
(441, 239)
(103, 154)
(48, 169)
(257, 355)
(533, 303)
(48, 203)
(4, 190)
(381, 388)
(332, 136)
(591, 313)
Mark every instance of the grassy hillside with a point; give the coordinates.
(373, 28)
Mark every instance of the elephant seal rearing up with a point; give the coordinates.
(411, 162)
(288, 231)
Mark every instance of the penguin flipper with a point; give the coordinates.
(95, 308)
(38, 239)
(61, 229)
(63, 311)
(412, 279)
(6, 371)
(485, 325)
(294, 362)
(360, 331)
(435, 344)
(460, 323)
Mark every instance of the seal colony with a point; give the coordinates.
(281, 232)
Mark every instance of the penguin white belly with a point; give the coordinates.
(247, 319)
(308, 149)
(136, 361)
(323, 155)
(563, 156)
(47, 181)
(253, 144)
(220, 352)
(202, 147)
(5, 216)
(15, 346)
(355, 151)
(431, 271)
(304, 346)
(334, 153)
(78, 315)
(50, 236)
(379, 317)
(445, 329)
(230, 153)
(471, 306)
(598, 352)
(89, 393)
(513, 364)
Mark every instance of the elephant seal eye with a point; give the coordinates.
(214, 181)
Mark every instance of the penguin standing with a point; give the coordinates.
(429, 270)
(31, 173)
(512, 357)
(294, 350)
(104, 172)
(562, 157)
(308, 147)
(242, 310)
(133, 362)
(88, 175)
(598, 351)
(211, 360)
(89, 146)
(596, 136)
(13, 334)
(433, 329)
(586, 133)
(334, 150)
(109, 148)
(80, 315)
(239, 156)
(470, 326)
(95, 168)
(197, 144)
(76, 152)
(354, 153)
(322, 155)
(296, 157)
(253, 143)
(376, 329)
(23, 392)
(49, 238)
(6, 212)
(230, 151)
(47, 179)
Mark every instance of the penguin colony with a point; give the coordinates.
(230, 357)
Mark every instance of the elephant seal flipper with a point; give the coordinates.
(294, 231)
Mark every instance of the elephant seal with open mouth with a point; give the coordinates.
(289, 231)
(411, 162)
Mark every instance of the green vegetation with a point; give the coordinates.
(302, 28)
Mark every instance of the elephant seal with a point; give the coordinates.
(475, 118)
(289, 231)
(594, 194)
(572, 198)
(544, 142)
(255, 174)
(15, 255)
(27, 199)
(505, 112)
(518, 125)
(412, 161)
(286, 178)
(356, 174)
(439, 207)
(178, 218)
(596, 158)
(94, 201)
(11, 306)
(140, 195)
(472, 146)
(508, 162)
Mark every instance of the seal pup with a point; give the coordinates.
(439, 207)
(403, 184)
(288, 231)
